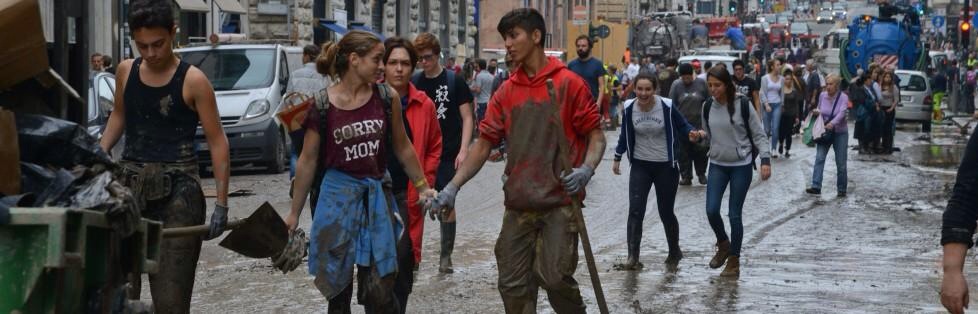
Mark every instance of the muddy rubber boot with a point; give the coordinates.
(447, 245)
(723, 248)
(733, 267)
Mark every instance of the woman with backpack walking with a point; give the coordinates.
(649, 132)
(832, 105)
(736, 139)
(351, 128)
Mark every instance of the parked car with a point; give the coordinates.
(915, 97)
(824, 17)
(799, 30)
(101, 100)
(249, 82)
(839, 11)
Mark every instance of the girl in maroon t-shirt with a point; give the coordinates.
(355, 149)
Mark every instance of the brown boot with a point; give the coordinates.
(723, 248)
(733, 267)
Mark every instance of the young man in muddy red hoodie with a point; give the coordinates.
(554, 145)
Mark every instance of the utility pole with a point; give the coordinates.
(965, 33)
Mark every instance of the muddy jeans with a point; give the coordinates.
(173, 284)
(374, 292)
(538, 249)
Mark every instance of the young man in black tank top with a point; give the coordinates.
(159, 102)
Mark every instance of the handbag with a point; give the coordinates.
(828, 136)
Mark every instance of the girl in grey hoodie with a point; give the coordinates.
(734, 141)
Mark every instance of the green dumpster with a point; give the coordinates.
(58, 260)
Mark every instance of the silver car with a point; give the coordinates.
(915, 96)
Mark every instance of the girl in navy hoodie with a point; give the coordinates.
(648, 135)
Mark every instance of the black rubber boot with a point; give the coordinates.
(634, 239)
(675, 253)
(447, 245)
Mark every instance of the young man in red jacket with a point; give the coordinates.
(421, 124)
(554, 145)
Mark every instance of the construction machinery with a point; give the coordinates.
(884, 41)
(660, 36)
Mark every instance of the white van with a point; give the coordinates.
(249, 82)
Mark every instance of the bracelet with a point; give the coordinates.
(420, 183)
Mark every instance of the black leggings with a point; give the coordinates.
(787, 130)
(642, 176)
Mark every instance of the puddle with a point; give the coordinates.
(935, 156)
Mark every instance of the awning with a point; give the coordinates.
(361, 27)
(192, 5)
(231, 6)
(331, 25)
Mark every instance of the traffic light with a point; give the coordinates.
(965, 34)
(733, 6)
(920, 8)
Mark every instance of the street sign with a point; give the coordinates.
(580, 15)
(937, 21)
(974, 19)
(602, 31)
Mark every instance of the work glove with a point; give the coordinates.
(443, 202)
(577, 179)
(219, 220)
(290, 257)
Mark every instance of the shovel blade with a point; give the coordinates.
(262, 235)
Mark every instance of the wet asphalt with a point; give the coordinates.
(875, 251)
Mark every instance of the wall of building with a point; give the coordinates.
(609, 50)
(264, 26)
(554, 14)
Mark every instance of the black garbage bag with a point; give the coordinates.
(50, 141)
(46, 184)
(98, 190)
(92, 188)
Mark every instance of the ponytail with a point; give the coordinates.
(322, 63)
(333, 61)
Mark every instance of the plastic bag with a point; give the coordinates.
(818, 128)
(806, 137)
(47, 185)
(98, 190)
(49, 141)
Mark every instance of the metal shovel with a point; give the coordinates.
(261, 235)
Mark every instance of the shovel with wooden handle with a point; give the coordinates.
(263, 234)
(575, 205)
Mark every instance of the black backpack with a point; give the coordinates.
(322, 104)
(744, 115)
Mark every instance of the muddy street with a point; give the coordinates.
(875, 251)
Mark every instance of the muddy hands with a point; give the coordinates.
(442, 202)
